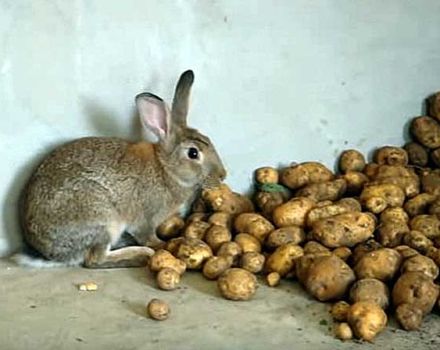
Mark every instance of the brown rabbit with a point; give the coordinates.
(87, 193)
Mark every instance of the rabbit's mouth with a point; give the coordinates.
(211, 182)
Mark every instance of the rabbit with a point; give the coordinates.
(87, 193)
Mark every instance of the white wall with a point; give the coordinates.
(276, 81)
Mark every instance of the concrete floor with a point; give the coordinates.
(43, 309)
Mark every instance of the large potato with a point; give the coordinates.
(299, 175)
(426, 130)
(328, 278)
(421, 263)
(345, 205)
(377, 197)
(171, 227)
(288, 234)
(193, 252)
(351, 160)
(222, 199)
(268, 201)
(429, 225)
(355, 181)
(163, 259)
(390, 155)
(362, 248)
(381, 264)
(328, 190)
(417, 241)
(237, 284)
(346, 229)
(293, 212)
(404, 177)
(216, 236)
(196, 229)
(282, 260)
(419, 204)
(303, 264)
(366, 319)
(221, 219)
(417, 154)
(248, 243)
(390, 234)
(371, 290)
(395, 214)
(253, 224)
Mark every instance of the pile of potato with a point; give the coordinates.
(367, 238)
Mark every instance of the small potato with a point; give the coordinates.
(217, 235)
(351, 160)
(419, 204)
(417, 241)
(343, 331)
(215, 266)
(346, 229)
(361, 249)
(196, 216)
(268, 201)
(312, 247)
(355, 182)
(328, 278)
(434, 208)
(430, 180)
(417, 154)
(323, 212)
(231, 249)
(221, 198)
(273, 279)
(168, 279)
(248, 243)
(299, 175)
(171, 227)
(366, 320)
(395, 214)
(371, 290)
(342, 252)
(164, 259)
(253, 262)
(434, 106)
(416, 289)
(266, 175)
(196, 229)
(406, 251)
(381, 264)
(434, 254)
(426, 131)
(193, 252)
(390, 234)
(237, 284)
(293, 212)
(339, 311)
(328, 190)
(391, 155)
(428, 225)
(409, 317)
(377, 197)
(282, 260)
(288, 234)
(435, 157)
(371, 170)
(158, 309)
(253, 224)
(420, 263)
(221, 219)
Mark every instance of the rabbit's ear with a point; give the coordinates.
(154, 115)
(181, 98)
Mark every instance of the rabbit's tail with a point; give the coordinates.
(29, 258)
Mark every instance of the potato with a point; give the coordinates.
(395, 214)
(282, 260)
(390, 155)
(435, 157)
(216, 236)
(221, 219)
(268, 201)
(215, 266)
(222, 199)
(248, 243)
(266, 175)
(409, 317)
(164, 259)
(381, 264)
(406, 251)
(253, 224)
(193, 252)
(328, 278)
(196, 229)
(371, 170)
(377, 197)
(434, 254)
(426, 131)
(237, 284)
(434, 106)
(345, 205)
(253, 262)
(346, 229)
(417, 290)
(293, 212)
(398, 175)
(168, 279)
(342, 252)
(366, 320)
(355, 182)
(417, 241)
(417, 154)
(328, 190)
(299, 175)
(171, 227)
(351, 160)
(288, 234)
(273, 279)
(434, 208)
(419, 204)
(420, 263)
(158, 309)
(303, 264)
(231, 249)
(312, 247)
(343, 331)
(196, 216)
(365, 247)
(371, 290)
(430, 180)
(428, 225)
(339, 311)
(390, 234)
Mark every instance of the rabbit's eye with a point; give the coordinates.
(193, 153)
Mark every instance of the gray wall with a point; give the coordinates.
(276, 81)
